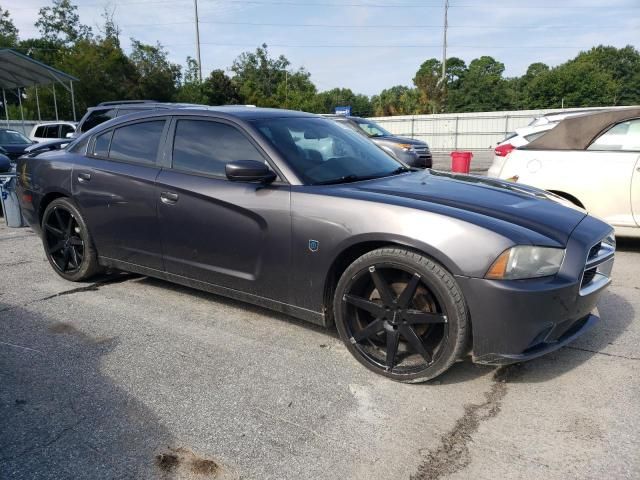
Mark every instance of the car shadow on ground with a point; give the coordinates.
(628, 244)
(62, 417)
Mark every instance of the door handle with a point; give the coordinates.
(168, 198)
(84, 177)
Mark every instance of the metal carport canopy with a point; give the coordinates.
(18, 71)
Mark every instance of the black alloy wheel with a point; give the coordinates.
(398, 318)
(67, 242)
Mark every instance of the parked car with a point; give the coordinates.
(107, 110)
(42, 132)
(518, 138)
(13, 143)
(592, 160)
(414, 153)
(292, 212)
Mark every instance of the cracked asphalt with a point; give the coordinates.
(135, 378)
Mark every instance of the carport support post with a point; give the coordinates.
(6, 107)
(73, 101)
(21, 111)
(38, 104)
(55, 101)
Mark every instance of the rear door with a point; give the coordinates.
(115, 189)
(231, 234)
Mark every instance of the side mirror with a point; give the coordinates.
(69, 135)
(249, 171)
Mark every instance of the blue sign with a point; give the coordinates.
(343, 110)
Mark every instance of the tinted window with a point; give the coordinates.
(51, 131)
(65, 130)
(624, 136)
(321, 151)
(138, 142)
(39, 132)
(97, 117)
(101, 147)
(205, 147)
(11, 137)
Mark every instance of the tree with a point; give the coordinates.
(191, 89)
(158, 77)
(398, 100)
(219, 89)
(325, 102)
(257, 76)
(480, 88)
(8, 30)
(433, 89)
(60, 23)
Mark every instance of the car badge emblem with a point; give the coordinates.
(314, 245)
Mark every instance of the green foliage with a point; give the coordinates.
(8, 31)
(158, 78)
(60, 23)
(326, 102)
(398, 100)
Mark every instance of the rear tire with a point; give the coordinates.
(401, 314)
(67, 242)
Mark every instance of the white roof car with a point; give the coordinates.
(52, 130)
(591, 160)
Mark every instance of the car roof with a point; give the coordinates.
(56, 122)
(238, 111)
(577, 133)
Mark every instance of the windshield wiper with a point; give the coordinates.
(345, 179)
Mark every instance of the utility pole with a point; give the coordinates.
(444, 41)
(195, 6)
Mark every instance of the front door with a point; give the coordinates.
(115, 188)
(635, 192)
(232, 234)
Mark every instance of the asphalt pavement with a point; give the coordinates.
(133, 378)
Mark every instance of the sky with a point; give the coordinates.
(365, 45)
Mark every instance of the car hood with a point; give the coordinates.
(395, 139)
(528, 207)
(15, 150)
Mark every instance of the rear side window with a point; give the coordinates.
(206, 147)
(101, 147)
(97, 117)
(40, 132)
(624, 136)
(137, 143)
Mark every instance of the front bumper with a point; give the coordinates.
(518, 320)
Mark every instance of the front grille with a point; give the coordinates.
(423, 154)
(588, 276)
(597, 270)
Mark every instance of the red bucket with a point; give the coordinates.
(461, 162)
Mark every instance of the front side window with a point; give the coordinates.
(321, 151)
(51, 131)
(66, 130)
(97, 117)
(138, 142)
(372, 129)
(206, 147)
(624, 136)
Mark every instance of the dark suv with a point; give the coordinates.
(108, 110)
(414, 153)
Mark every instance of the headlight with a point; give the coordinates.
(526, 262)
(610, 240)
(407, 147)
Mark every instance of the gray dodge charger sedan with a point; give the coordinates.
(292, 212)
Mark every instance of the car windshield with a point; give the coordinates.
(10, 137)
(322, 152)
(372, 129)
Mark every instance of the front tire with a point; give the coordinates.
(67, 242)
(401, 314)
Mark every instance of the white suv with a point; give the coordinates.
(42, 132)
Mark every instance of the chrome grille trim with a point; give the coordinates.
(597, 271)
